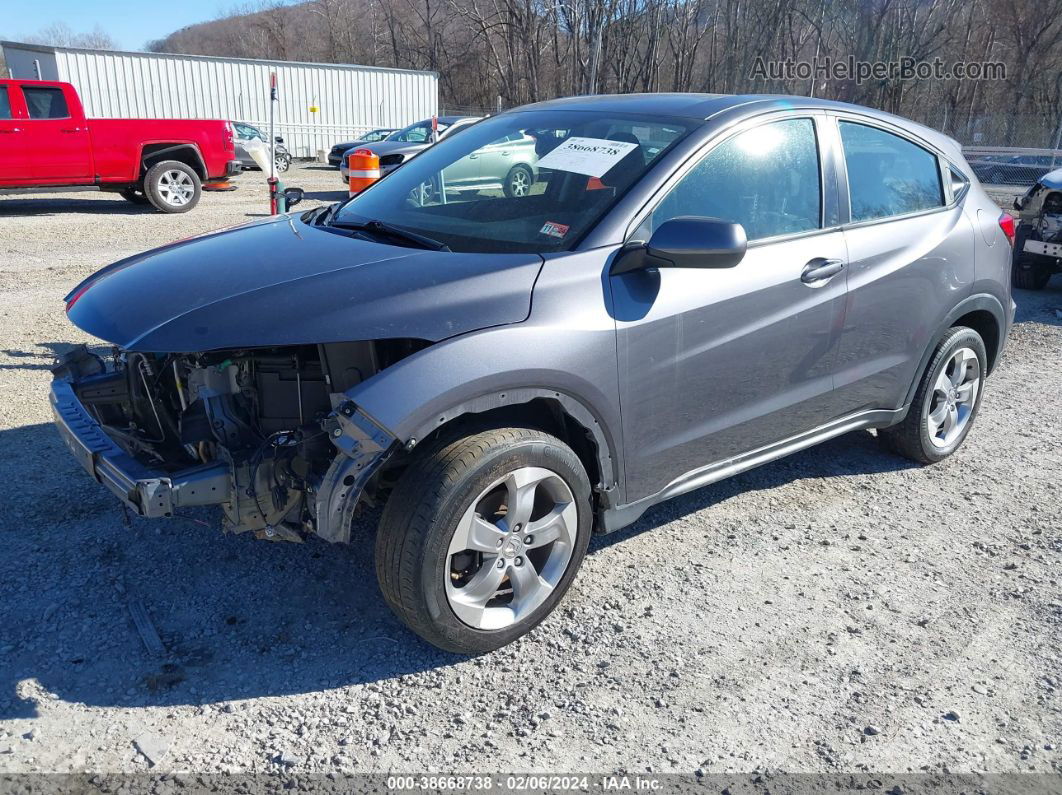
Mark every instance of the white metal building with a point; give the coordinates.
(349, 99)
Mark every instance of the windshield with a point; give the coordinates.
(519, 182)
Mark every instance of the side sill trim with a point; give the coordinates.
(613, 519)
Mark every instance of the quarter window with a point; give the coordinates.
(888, 175)
(5, 104)
(766, 179)
(45, 103)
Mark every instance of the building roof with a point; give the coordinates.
(51, 49)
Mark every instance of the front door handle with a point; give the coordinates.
(820, 269)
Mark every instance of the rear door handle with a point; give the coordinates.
(12, 130)
(70, 129)
(820, 269)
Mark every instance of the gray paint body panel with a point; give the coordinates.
(681, 376)
(284, 282)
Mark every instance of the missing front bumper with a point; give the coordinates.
(148, 492)
(1043, 249)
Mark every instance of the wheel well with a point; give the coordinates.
(984, 323)
(543, 414)
(184, 153)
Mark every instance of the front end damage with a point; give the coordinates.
(267, 434)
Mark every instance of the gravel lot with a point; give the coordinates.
(840, 611)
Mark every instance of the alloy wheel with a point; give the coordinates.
(176, 188)
(953, 398)
(519, 185)
(511, 548)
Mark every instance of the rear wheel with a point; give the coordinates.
(518, 182)
(172, 187)
(482, 537)
(946, 402)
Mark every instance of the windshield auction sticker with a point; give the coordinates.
(589, 156)
(553, 229)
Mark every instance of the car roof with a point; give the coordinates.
(701, 107)
(455, 119)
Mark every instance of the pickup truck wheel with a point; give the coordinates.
(482, 536)
(172, 187)
(946, 402)
(134, 195)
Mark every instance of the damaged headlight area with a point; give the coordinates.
(267, 433)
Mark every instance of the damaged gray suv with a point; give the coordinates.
(693, 285)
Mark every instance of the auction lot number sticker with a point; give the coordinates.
(589, 156)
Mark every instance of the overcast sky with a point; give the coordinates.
(131, 23)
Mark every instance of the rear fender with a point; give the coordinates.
(187, 153)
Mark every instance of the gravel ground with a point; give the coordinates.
(838, 611)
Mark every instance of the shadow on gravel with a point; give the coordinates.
(1040, 306)
(856, 453)
(35, 360)
(52, 206)
(238, 618)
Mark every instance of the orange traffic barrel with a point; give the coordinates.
(363, 169)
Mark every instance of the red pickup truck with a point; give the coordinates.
(46, 141)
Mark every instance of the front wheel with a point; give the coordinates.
(946, 401)
(1028, 271)
(482, 537)
(282, 163)
(172, 187)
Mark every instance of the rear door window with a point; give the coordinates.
(766, 179)
(5, 104)
(45, 103)
(888, 175)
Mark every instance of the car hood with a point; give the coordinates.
(282, 281)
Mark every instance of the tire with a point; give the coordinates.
(518, 182)
(172, 187)
(912, 438)
(444, 491)
(1028, 271)
(283, 163)
(134, 195)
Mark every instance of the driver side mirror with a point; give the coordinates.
(278, 139)
(687, 242)
(293, 196)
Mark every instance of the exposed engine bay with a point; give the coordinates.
(293, 444)
(1047, 225)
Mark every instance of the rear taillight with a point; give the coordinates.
(230, 137)
(1006, 223)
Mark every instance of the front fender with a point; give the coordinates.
(420, 394)
(565, 351)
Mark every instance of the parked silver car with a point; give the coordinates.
(402, 145)
(696, 285)
(248, 135)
